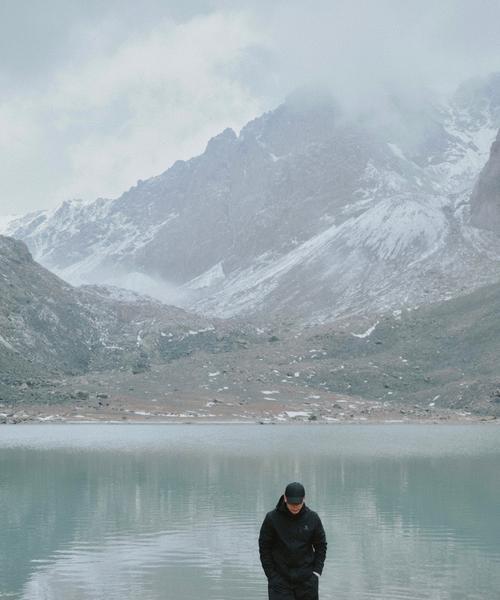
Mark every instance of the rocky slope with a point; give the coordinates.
(96, 351)
(42, 328)
(306, 213)
(50, 330)
(434, 363)
(416, 363)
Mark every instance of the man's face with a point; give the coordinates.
(294, 508)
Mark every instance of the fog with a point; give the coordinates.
(98, 95)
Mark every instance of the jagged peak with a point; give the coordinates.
(306, 111)
(221, 141)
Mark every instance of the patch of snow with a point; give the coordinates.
(397, 151)
(275, 158)
(5, 220)
(412, 226)
(6, 343)
(296, 413)
(367, 333)
(205, 330)
(212, 276)
(397, 225)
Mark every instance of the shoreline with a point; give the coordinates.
(434, 420)
(267, 411)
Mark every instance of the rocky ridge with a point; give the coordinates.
(50, 330)
(306, 213)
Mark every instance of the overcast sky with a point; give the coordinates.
(96, 94)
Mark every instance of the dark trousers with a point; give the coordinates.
(307, 590)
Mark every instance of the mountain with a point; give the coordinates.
(308, 213)
(43, 330)
(50, 330)
(441, 355)
(72, 346)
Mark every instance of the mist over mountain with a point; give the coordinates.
(307, 214)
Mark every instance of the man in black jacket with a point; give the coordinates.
(292, 547)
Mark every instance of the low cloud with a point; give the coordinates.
(125, 114)
(129, 101)
(364, 50)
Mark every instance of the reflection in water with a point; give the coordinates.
(174, 512)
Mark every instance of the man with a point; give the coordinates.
(292, 547)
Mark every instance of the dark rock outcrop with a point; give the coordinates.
(485, 200)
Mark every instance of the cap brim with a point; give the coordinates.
(296, 500)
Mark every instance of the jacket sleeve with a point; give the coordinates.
(266, 540)
(319, 544)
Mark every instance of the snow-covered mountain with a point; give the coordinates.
(307, 213)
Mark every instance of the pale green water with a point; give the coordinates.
(173, 512)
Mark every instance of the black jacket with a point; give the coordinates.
(291, 547)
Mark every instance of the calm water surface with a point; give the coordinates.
(90, 512)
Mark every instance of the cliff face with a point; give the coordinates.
(485, 200)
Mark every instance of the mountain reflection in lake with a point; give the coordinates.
(152, 511)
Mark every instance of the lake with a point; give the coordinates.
(173, 511)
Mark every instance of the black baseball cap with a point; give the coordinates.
(295, 493)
